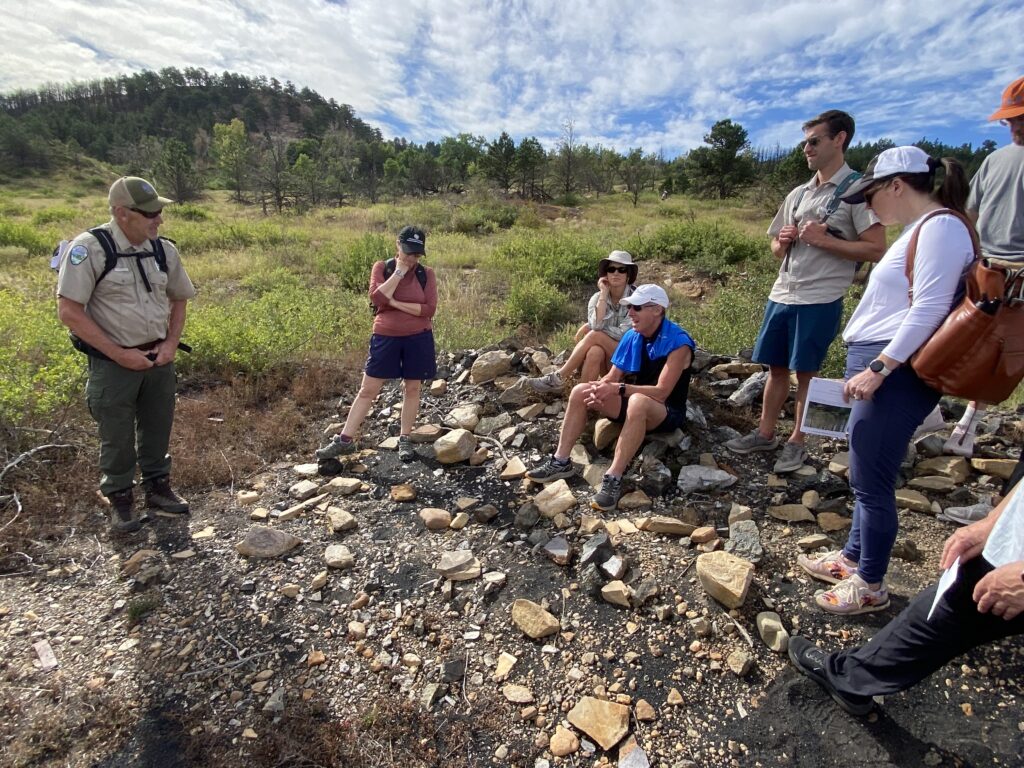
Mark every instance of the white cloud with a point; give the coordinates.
(656, 73)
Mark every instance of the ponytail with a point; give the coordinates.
(952, 192)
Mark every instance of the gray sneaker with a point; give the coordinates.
(791, 459)
(551, 470)
(752, 442)
(406, 451)
(608, 497)
(335, 448)
(549, 382)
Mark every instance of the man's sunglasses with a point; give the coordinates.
(614, 270)
(814, 141)
(147, 214)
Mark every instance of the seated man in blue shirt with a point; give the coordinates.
(645, 391)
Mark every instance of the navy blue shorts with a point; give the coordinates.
(402, 357)
(797, 336)
(674, 418)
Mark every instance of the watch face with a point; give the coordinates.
(877, 366)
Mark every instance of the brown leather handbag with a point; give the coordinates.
(978, 351)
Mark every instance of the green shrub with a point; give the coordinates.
(350, 267)
(54, 216)
(26, 236)
(563, 261)
(534, 302)
(195, 237)
(12, 208)
(704, 246)
(190, 212)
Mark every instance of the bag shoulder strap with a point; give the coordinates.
(833, 202)
(908, 268)
(106, 241)
(421, 272)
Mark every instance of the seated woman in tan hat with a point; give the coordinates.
(607, 320)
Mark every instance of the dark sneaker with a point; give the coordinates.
(405, 450)
(608, 497)
(549, 382)
(752, 442)
(122, 512)
(790, 459)
(160, 495)
(552, 470)
(811, 661)
(336, 448)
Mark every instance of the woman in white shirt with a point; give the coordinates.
(889, 400)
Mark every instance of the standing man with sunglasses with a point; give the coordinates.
(128, 320)
(996, 205)
(645, 391)
(819, 241)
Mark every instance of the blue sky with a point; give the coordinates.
(651, 73)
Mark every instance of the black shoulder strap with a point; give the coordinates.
(159, 255)
(833, 202)
(389, 268)
(421, 273)
(106, 241)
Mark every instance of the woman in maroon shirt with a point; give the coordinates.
(404, 297)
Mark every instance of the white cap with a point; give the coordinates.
(891, 162)
(647, 294)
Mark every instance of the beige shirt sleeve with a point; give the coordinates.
(76, 281)
(179, 285)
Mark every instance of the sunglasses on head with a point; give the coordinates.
(614, 270)
(147, 214)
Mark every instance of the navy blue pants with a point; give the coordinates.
(910, 647)
(880, 431)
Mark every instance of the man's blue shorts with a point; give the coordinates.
(797, 336)
(674, 418)
(402, 357)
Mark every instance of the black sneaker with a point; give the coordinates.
(608, 497)
(160, 495)
(405, 450)
(122, 512)
(552, 470)
(337, 447)
(810, 660)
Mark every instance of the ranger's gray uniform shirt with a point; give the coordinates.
(810, 275)
(120, 304)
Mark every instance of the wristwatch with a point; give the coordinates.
(622, 389)
(877, 366)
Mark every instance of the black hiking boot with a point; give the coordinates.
(160, 495)
(122, 512)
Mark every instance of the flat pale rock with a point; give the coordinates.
(504, 666)
(533, 620)
(460, 521)
(907, 498)
(616, 593)
(840, 464)
(290, 590)
(590, 524)
(564, 742)
(244, 498)
(740, 663)
(814, 541)
(932, 483)
(792, 513)
(604, 721)
(955, 468)
(739, 512)
(606, 432)
(514, 470)
(458, 445)
(338, 556)
(1001, 468)
(134, 564)
(426, 433)
(831, 522)
(594, 473)
(811, 499)
(459, 565)
(725, 577)
(319, 581)
(465, 503)
(635, 501)
(699, 478)
(728, 370)
(517, 694)
(465, 416)
(389, 443)
(345, 486)
(772, 632)
(304, 489)
(264, 543)
(703, 535)
(489, 366)
(435, 519)
(204, 534)
(306, 470)
(674, 698)
(259, 514)
(554, 498)
(340, 521)
(438, 387)
(530, 412)
(644, 712)
(403, 492)
(631, 755)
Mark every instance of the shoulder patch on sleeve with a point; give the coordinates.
(78, 254)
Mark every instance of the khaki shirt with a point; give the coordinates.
(120, 304)
(810, 275)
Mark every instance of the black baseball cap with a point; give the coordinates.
(412, 240)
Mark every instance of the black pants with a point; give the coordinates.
(909, 648)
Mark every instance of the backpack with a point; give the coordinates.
(106, 241)
(978, 351)
(389, 270)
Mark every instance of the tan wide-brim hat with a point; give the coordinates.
(621, 258)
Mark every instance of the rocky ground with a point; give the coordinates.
(448, 612)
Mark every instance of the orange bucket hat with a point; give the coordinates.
(1013, 101)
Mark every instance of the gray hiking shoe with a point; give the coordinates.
(791, 459)
(608, 497)
(335, 448)
(549, 382)
(160, 495)
(752, 442)
(406, 452)
(122, 512)
(552, 470)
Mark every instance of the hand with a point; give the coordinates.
(602, 285)
(134, 360)
(965, 543)
(862, 386)
(814, 233)
(599, 391)
(1001, 591)
(165, 352)
(406, 262)
(787, 235)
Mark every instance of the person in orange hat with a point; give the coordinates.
(996, 205)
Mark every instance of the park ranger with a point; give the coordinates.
(122, 292)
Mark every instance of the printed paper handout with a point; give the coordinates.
(825, 412)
